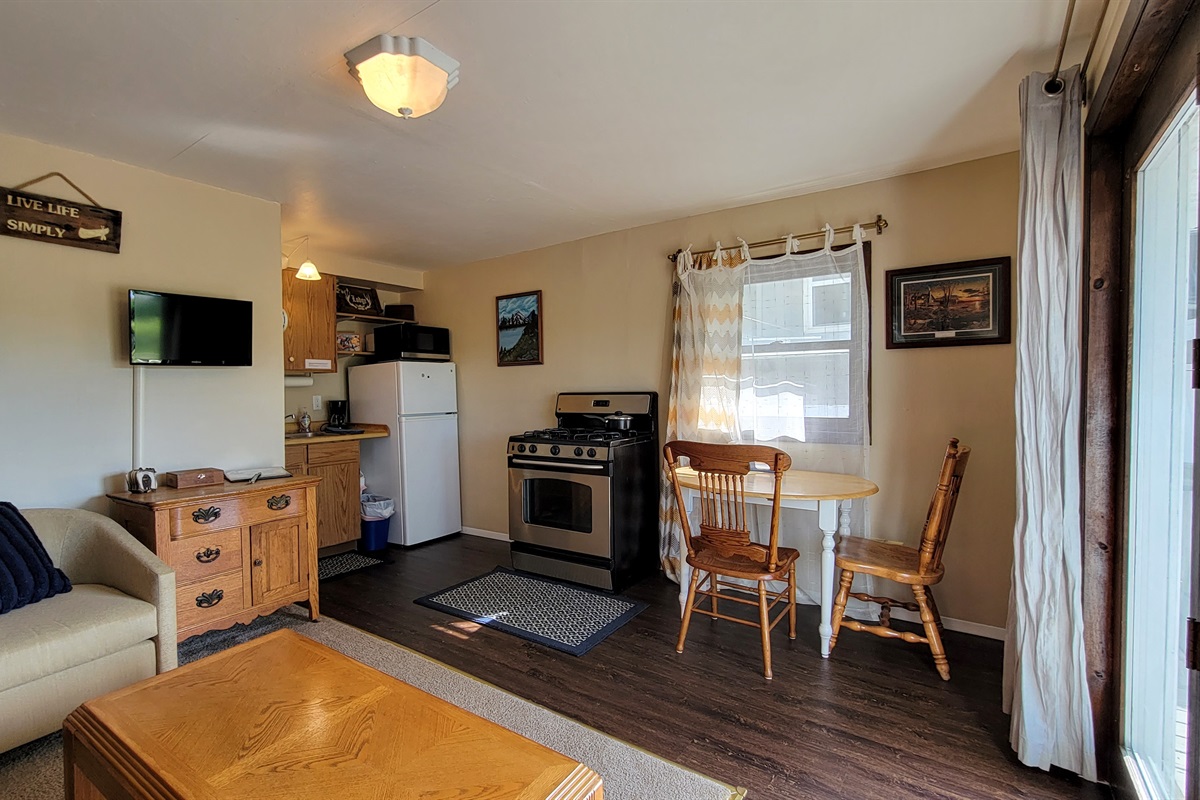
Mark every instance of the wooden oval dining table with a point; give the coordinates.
(828, 493)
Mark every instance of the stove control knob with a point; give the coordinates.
(554, 450)
(578, 452)
(533, 448)
(520, 448)
(591, 452)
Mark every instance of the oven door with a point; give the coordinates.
(564, 508)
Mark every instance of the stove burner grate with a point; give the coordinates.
(579, 435)
(599, 436)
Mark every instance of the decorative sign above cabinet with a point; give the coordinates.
(358, 300)
(50, 219)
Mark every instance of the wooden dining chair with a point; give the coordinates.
(723, 546)
(919, 568)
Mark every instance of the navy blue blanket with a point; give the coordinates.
(27, 574)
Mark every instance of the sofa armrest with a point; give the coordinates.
(94, 549)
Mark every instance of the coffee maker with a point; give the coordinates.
(339, 413)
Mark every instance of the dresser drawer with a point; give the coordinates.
(206, 516)
(333, 452)
(233, 512)
(208, 600)
(202, 556)
(273, 505)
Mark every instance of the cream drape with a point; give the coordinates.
(705, 363)
(1045, 674)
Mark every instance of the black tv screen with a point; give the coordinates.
(189, 331)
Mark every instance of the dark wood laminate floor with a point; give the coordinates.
(874, 721)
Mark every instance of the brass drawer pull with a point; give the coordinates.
(210, 599)
(279, 502)
(208, 555)
(203, 516)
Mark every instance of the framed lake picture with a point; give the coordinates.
(967, 302)
(519, 329)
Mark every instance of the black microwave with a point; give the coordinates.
(412, 341)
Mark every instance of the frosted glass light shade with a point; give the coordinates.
(406, 77)
(308, 272)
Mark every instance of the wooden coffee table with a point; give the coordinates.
(285, 717)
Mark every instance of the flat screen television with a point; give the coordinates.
(189, 331)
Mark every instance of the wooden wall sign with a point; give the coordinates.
(49, 219)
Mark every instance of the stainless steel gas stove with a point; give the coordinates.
(583, 498)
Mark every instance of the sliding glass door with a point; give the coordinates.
(1159, 567)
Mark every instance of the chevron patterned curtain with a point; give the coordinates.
(705, 368)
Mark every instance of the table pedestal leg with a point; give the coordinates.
(827, 521)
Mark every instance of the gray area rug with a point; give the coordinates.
(567, 617)
(34, 771)
(345, 563)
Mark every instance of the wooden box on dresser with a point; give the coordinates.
(239, 550)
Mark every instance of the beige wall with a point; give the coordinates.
(65, 379)
(607, 326)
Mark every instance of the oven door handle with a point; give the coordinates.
(562, 465)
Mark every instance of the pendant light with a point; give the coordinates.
(308, 270)
(406, 77)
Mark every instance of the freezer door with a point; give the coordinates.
(373, 389)
(427, 388)
(431, 505)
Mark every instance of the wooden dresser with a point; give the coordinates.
(239, 550)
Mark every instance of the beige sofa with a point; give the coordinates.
(115, 627)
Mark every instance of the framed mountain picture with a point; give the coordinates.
(519, 329)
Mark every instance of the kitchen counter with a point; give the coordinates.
(369, 431)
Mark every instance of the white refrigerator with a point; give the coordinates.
(417, 465)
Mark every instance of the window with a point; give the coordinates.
(803, 355)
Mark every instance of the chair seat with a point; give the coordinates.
(895, 562)
(710, 560)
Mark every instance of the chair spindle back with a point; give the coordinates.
(721, 471)
(941, 507)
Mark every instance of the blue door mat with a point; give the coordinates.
(570, 618)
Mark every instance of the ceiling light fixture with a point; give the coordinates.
(406, 77)
(308, 270)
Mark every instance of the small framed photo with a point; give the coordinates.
(519, 329)
(353, 299)
(966, 302)
(349, 342)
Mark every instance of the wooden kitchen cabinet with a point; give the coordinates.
(308, 336)
(239, 550)
(336, 464)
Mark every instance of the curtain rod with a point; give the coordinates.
(1054, 85)
(879, 224)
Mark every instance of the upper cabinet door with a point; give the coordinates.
(308, 339)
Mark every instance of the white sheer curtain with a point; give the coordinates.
(1045, 681)
(803, 380)
(773, 351)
